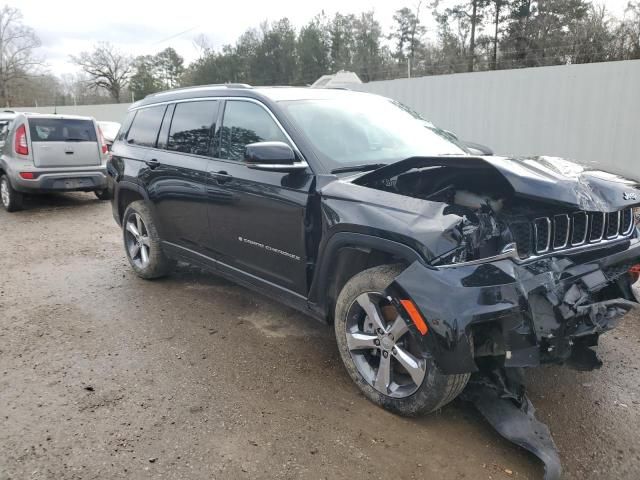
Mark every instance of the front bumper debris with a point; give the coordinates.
(525, 314)
(499, 396)
(495, 318)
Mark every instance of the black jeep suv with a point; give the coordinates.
(430, 262)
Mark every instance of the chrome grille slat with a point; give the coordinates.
(579, 221)
(613, 225)
(597, 223)
(563, 232)
(627, 221)
(542, 234)
(561, 223)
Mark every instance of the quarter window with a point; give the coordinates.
(244, 123)
(192, 127)
(144, 130)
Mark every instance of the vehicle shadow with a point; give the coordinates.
(286, 329)
(58, 201)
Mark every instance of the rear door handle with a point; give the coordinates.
(222, 176)
(153, 163)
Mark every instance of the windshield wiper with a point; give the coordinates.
(365, 167)
(76, 140)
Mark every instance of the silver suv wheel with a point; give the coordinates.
(11, 200)
(381, 347)
(137, 241)
(4, 192)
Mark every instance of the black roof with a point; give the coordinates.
(242, 90)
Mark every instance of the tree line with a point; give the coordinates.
(472, 35)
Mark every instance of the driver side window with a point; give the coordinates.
(244, 123)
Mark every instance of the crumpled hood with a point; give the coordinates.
(544, 178)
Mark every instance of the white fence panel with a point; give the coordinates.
(114, 112)
(588, 113)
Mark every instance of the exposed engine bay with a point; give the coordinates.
(494, 219)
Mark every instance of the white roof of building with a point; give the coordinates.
(342, 79)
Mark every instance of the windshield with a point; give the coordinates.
(359, 130)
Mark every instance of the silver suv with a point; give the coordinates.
(50, 153)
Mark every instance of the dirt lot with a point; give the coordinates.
(104, 375)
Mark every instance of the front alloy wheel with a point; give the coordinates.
(381, 347)
(390, 366)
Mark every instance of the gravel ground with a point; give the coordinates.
(104, 375)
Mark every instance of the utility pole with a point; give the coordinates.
(408, 67)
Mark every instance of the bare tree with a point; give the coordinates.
(106, 67)
(17, 45)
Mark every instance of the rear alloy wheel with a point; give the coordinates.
(387, 363)
(142, 243)
(11, 200)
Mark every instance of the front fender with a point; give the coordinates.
(451, 300)
(328, 252)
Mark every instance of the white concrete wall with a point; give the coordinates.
(588, 113)
(115, 112)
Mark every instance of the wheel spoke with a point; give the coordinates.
(145, 241)
(134, 250)
(144, 254)
(399, 328)
(139, 223)
(416, 368)
(131, 228)
(360, 341)
(372, 310)
(383, 376)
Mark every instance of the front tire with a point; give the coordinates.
(388, 365)
(10, 198)
(142, 243)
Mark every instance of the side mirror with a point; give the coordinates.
(274, 156)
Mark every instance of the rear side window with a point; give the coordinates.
(61, 130)
(244, 123)
(145, 126)
(192, 127)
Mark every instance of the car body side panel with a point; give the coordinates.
(420, 224)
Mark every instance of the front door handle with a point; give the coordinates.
(153, 163)
(222, 176)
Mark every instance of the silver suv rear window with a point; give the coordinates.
(61, 130)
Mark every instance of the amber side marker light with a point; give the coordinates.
(415, 316)
(635, 272)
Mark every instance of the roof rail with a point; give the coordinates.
(8, 111)
(195, 87)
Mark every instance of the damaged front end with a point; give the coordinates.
(531, 265)
(542, 259)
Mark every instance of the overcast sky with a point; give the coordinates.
(70, 26)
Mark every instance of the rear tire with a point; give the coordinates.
(142, 243)
(10, 198)
(103, 194)
(381, 356)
